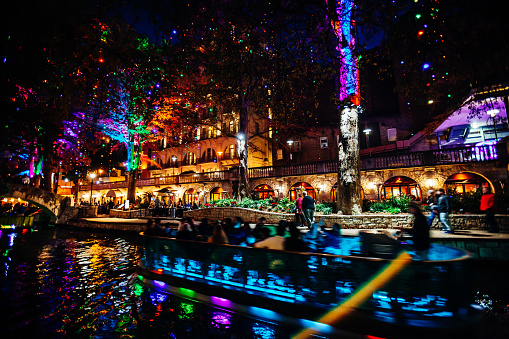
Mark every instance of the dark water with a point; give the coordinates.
(64, 283)
(67, 283)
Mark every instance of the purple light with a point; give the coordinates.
(159, 283)
(221, 302)
(221, 318)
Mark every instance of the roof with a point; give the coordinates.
(475, 110)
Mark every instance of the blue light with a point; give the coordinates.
(425, 66)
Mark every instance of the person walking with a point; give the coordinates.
(308, 209)
(299, 218)
(444, 208)
(432, 203)
(489, 207)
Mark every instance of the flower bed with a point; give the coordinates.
(270, 205)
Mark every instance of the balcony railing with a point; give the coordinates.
(427, 158)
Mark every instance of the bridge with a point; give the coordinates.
(56, 206)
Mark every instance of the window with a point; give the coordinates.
(392, 135)
(209, 132)
(198, 133)
(231, 127)
(230, 152)
(279, 154)
(324, 142)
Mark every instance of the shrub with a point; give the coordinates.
(325, 207)
(392, 205)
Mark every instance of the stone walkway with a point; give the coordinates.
(435, 234)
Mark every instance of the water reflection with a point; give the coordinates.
(63, 283)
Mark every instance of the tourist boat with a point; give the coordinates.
(274, 284)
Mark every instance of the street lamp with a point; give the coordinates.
(290, 143)
(92, 177)
(367, 131)
(174, 158)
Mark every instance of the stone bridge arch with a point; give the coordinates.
(53, 204)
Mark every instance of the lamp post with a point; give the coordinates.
(367, 131)
(174, 158)
(92, 177)
(290, 143)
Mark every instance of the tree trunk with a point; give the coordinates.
(349, 187)
(131, 186)
(242, 138)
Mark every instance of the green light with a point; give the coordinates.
(417, 16)
(186, 292)
(138, 289)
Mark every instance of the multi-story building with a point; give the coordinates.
(459, 150)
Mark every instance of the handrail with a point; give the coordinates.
(400, 160)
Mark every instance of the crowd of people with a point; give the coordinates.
(16, 209)
(235, 231)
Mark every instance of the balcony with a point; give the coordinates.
(474, 154)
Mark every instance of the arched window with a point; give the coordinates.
(190, 196)
(299, 188)
(263, 192)
(464, 183)
(189, 159)
(217, 194)
(209, 155)
(397, 186)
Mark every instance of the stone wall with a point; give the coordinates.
(108, 226)
(363, 221)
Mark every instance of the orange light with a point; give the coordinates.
(420, 32)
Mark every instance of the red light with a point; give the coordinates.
(420, 32)
(101, 60)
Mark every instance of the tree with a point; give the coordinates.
(252, 58)
(121, 97)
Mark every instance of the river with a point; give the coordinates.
(61, 283)
(68, 283)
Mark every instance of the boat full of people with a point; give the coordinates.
(312, 278)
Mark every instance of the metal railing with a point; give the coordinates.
(428, 288)
(427, 158)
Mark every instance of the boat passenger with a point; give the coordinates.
(294, 242)
(275, 243)
(314, 238)
(184, 231)
(257, 231)
(419, 230)
(237, 234)
(151, 228)
(218, 235)
(332, 239)
(204, 228)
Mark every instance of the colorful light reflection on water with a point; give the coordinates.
(62, 283)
